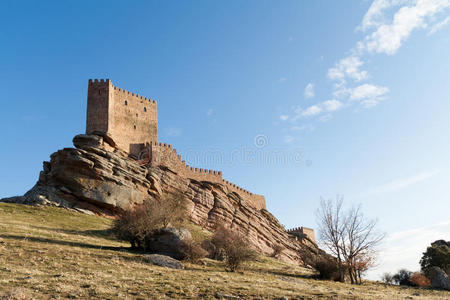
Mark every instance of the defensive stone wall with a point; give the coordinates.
(131, 120)
(166, 155)
(302, 232)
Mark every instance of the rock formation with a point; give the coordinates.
(95, 177)
(439, 279)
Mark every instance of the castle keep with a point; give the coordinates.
(131, 121)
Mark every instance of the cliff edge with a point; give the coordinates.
(96, 178)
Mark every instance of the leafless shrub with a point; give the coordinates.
(137, 224)
(277, 250)
(192, 251)
(387, 278)
(236, 248)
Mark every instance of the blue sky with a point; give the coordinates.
(299, 99)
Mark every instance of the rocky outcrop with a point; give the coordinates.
(439, 279)
(168, 241)
(163, 261)
(96, 177)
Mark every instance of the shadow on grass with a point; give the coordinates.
(62, 243)
(103, 233)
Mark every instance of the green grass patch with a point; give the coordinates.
(47, 252)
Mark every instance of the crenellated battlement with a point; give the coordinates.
(166, 155)
(131, 120)
(302, 232)
(127, 116)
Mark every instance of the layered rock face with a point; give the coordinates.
(96, 178)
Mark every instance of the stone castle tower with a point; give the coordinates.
(129, 118)
(132, 123)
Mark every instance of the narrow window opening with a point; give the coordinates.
(137, 115)
(99, 92)
(126, 103)
(145, 109)
(134, 127)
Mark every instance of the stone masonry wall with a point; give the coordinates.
(130, 118)
(132, 122)
(303, 231)
(166, 155)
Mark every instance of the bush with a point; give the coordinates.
(277, 250)
(136, 225)
(419, 279)
(324, 264)
(327, 269)
(235, 247)
(402, 277)
(192, 251)
(387, 278)
(437, 255)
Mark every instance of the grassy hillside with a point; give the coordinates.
(47, 252)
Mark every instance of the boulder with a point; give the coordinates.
(164, 261)
(87, 140)
(439, 279)
(168, 241)
(106, 137)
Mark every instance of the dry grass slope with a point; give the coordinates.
(54, 253)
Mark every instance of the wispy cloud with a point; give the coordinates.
(312, 111)
(282, 79)
(209, 112)
(386, 26)
(401, 183)
(332, 105)
(439, 26)
(348, 67)
(368, 94)
(309, 91)
(403, 249)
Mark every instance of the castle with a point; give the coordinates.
(303, 234)
(131, 121)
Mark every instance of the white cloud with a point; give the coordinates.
(439, 26)
(284, 117)
(368, 94)
(387, 25)
(332, 105)
(348, 67)
(401, 183)
(309, 91)
(282, 79)
(375, 15)
(209, 112)
(388, 38)
(403, 249)
(312, 111)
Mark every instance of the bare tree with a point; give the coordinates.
(350, 237)
(359, 243)
(331, 221)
